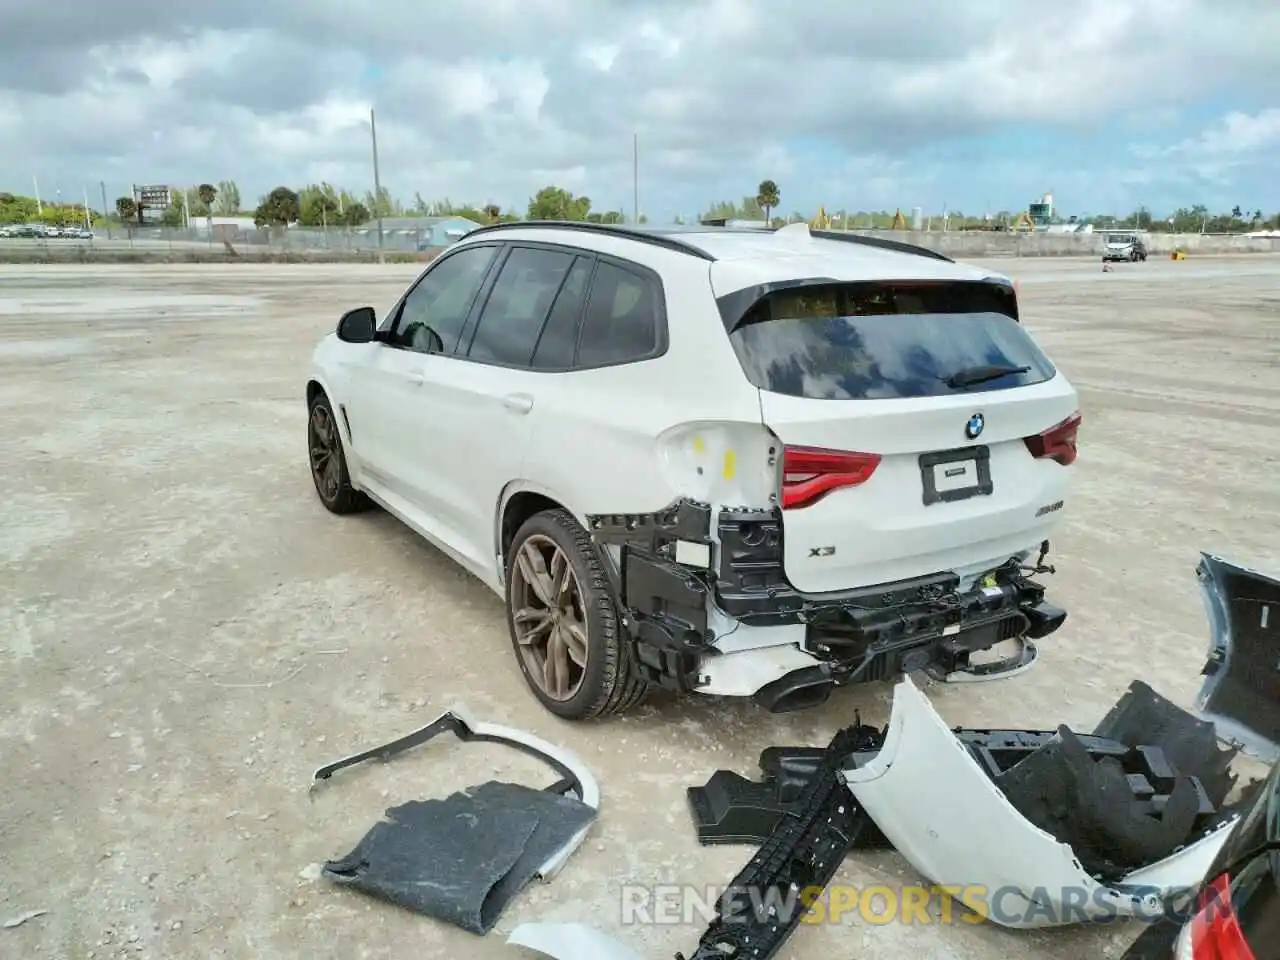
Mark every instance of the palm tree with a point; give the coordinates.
(207, 193)
(767, 197)
(127, 209)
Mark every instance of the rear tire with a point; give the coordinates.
(581, 623)
(328, 461)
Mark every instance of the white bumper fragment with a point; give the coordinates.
(569, 941)
(954, 825)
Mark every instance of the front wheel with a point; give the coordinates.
(328, 464)
(564, 625)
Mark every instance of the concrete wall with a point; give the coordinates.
(980, 245)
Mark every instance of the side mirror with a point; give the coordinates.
(358, 325)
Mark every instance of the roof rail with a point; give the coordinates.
(881, 242)
(609, 229)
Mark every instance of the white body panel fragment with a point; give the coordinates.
(951, 822)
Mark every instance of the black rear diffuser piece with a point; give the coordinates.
(802, 853)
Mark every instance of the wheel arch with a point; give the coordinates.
(520, 500)
(316, 386)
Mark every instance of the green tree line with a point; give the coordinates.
(323, 205)
(18, 209)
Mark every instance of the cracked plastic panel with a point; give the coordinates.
(574, 775)
(922, 759)
(1241, 692)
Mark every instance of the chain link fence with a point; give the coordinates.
(292, 240)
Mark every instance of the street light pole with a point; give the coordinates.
(635, 179)
(377, 179)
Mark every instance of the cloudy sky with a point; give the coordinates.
(968, 104)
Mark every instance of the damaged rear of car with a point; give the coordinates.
(892, 511)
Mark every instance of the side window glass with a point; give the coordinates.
(621, 321)
(560, 333)
(436, 309)
(518, 304)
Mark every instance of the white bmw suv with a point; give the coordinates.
(732, 462)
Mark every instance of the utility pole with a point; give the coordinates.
(35, 182)
(635, 179)
(377, 179)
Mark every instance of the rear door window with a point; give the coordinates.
(621, 323)
(880, 341)
(518, 305)
(559, 336)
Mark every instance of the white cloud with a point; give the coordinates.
(1235, 134)
(847, 105)
(1218, 154)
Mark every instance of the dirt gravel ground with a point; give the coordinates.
(185, 634)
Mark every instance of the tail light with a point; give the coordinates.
(810, 473)
(1214, 932)
(1058, 443)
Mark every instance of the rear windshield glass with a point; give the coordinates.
(859, 341)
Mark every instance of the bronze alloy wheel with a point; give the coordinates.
(322, 439)
(548, 617)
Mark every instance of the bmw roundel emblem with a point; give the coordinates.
(973, 429)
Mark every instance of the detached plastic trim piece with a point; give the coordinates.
(979, 838)
(1241, 691)
(803, 853)
(574, 775)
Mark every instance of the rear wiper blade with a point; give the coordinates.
(970, 376)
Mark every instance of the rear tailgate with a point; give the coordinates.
(883, 530)
(889, 471)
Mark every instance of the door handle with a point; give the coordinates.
(416, 377)
(518, 402)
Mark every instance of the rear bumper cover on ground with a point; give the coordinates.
(1241, 691)
(939, 809)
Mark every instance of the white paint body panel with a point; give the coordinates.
(881, 529)
(951, 822)
(569, 941)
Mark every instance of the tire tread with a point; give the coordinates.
(621, 687)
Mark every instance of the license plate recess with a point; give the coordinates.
(950, 475)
